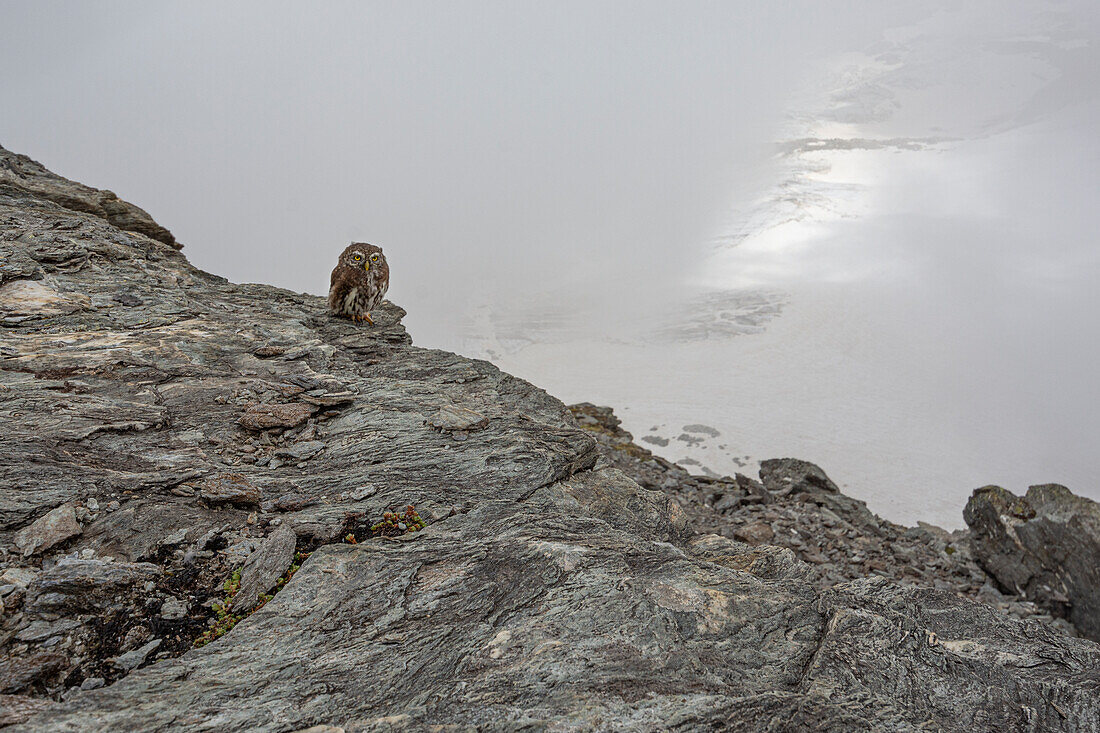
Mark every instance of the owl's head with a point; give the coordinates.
(364, 257)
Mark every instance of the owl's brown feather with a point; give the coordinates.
(359, 281)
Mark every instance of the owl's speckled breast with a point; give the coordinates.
(357, 288)
(349, 300)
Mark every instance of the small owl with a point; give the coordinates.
(359, 281)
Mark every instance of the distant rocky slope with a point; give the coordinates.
(222, 509)
(796, 506)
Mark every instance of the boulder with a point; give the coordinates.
(52, 529)
(1044, 545)
(791, 476)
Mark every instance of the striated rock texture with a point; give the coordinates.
(1044, 545)
(188, 423)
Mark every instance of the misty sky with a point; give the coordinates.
(561, 180)
(508, 145)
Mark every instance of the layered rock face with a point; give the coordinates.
(221, 508)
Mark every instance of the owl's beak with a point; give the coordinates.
(366, 266)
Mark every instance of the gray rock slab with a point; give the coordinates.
(264, 417)
(18, 708)
(514, 614)
(53, 528)
(302, 451)
(40, 630)
(85, 584)
(230, 489)
(20, 577)
(452, 418)
(136, 657)
(264, 567)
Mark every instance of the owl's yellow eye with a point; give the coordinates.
(358, 257)
(374, 258)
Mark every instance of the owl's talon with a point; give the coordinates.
(368, 319)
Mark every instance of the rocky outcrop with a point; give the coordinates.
(796, 506)
(466, 556)
(1044, 545)
(27, 180)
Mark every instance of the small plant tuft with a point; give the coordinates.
(224, 620)
(393, 524)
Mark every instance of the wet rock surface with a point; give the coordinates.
(201, 432)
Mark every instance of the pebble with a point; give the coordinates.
(362, 492)
(173, 609)
(135, 658)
